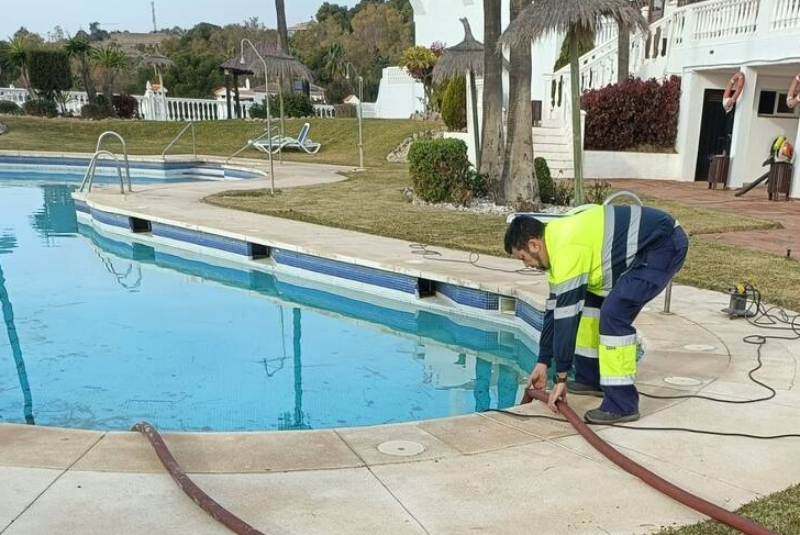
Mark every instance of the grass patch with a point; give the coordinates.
(704, 221)
(777, 512)
(339, 137)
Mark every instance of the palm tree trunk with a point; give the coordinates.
(518, 186)
(577, 141)
(86, 75)
(623, 53)
(492, 146)
(283, 31)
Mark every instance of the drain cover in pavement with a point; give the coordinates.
(699, 347)
(401, 448)
(682, 381)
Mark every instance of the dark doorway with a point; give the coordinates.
(716, 128)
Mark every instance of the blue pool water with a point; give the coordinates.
(99, 334)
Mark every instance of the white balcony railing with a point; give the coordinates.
(786, 15)
(721, 19)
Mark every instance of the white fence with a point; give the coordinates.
(153, 106)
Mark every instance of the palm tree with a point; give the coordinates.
(518, 171)
(334, 61)
(492, 146)
(111, 60)
(15, 55)
(575, 18)
(283, 31)
(81, 50)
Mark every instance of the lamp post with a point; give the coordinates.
(269, 115)
(360, 113)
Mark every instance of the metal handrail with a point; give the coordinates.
(624, 193)
(124, 151)
(275, 130)
(668, 290)
(189, 125)
(88, 178)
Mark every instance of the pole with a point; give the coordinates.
(575, 97)
(360, 123)
(269, 112)
(283, 117)
(473, 89)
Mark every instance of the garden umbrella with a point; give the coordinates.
(465, 57)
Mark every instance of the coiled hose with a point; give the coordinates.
(688, 499)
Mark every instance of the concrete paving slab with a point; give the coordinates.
(536, 488)
(223, 452)
(755, 465)
(476, 433)
(20, 488)
(43, 447)
(365, 441)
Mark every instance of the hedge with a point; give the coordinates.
(441, 172)
(632, 114)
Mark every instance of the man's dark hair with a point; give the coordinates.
(522, 229)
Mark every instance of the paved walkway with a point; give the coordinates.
(485, 473)
(754, 203)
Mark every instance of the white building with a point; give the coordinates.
(705, 42)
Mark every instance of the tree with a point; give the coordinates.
(519, 185)
(576, 18)
(419, 61)
(623, 53)
(49, 72)
(335, 12)
(15, 56)
(8, 71)
(492, 146)
(111, 60)
(95, 33)
(81, 51)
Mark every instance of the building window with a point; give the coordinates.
(773, 104)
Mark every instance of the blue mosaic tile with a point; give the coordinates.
(530, 315)
(204, 239)
(107, 218)
(366, 275)
(81, 206)
(469, 296)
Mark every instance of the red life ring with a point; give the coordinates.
(792, 97)
(733, 91)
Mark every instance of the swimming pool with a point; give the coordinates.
(101, 332)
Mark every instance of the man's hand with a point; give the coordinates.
(559, 392)
(538, 377)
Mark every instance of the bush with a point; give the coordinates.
(454, 105)
(49, 71)
(598, 192)
(40, 108)
(294, 105)
(125, 106)
(8, 107)
(95, 111)
(259, 111)
(632, 113)
(441, 172)
(546, 186)
(345, 111)
(563, 192)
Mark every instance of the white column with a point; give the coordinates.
(742, 125)
(794, 193)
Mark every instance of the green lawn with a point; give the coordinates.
(779, 512)
(339, 137)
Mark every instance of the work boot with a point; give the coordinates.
(600, 417)
(580, 389)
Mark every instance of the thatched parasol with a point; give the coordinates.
(158, 60)
(465, 58)
(575, 18)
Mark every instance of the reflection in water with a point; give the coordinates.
(16, 349)
(57, 216)
(299, 420)
(8, 242)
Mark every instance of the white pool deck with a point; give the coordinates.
(484, 473)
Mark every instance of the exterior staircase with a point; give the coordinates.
(552, 142)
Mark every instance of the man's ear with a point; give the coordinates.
(534, 245)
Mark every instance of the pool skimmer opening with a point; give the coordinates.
(401, 448)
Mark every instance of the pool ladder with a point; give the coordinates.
(88, 178)
(668, 291)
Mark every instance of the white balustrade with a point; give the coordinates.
(725, 19)
(786, 14)
(325, 111)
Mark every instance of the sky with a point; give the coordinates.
(41, 16)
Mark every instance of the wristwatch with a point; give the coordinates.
(560, 379)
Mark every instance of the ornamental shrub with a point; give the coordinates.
(10, 108)
(40, 107)
(441, 172)
(546, 186)
(632, 114)
(49, 72)
(454, 105)
(125, 106)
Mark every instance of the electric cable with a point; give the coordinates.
(424, 251)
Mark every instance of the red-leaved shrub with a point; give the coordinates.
(631, 114)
